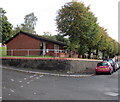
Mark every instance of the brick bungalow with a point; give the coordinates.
(24, 44)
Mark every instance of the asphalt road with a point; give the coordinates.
(25, 86)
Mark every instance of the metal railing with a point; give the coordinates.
(36, 52)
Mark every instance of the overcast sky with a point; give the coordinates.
(46, 10)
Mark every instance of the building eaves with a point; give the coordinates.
(36, 37)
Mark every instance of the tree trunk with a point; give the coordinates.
(89, 53)
(79, 54)
(97, 53)
(70, 54)
(83, 55)
(103, 55)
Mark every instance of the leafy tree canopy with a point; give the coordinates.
(5, 27)
(79, 23)
(57, 37)
(28, 25)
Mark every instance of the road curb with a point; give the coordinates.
(51, 74)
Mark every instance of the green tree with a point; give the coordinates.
(76, 21)
(118, 49)
(57, 37)
(49, 35)
(5, 26)
(28, 25)
(93, 36)
(61, 38)
(112, 49)
(107, 45)
(115, 48)
(102, 44)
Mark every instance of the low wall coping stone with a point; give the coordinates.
(35, 58)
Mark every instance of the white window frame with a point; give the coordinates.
(56, 48)
(44, 48)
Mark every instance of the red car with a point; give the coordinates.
(104, 67)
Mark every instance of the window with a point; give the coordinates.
(56, 48)
(102, 64)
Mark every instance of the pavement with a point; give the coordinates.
(47, 72)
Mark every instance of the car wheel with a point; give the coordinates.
(114, 70)
(111, 71)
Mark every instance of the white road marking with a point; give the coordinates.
(12, 90)
(21, 86)
(25, 78)
(34, 75)
(12, 80)
(37, 77)
(28, 82)
(34, 93)
(41, 76)
(111, 93)
(31, 76)
(20, 81)
(0, 97)
(9, 94)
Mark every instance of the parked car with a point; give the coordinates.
(117, 66)
(112, 62)
(104, 67)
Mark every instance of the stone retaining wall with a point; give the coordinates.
(58, 64)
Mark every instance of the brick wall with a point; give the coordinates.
(23, 41)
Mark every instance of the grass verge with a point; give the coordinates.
(3, 51)
(29, 56)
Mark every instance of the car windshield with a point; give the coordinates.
(109, 61)
(102, 64)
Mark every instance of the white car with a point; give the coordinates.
(116, 66)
